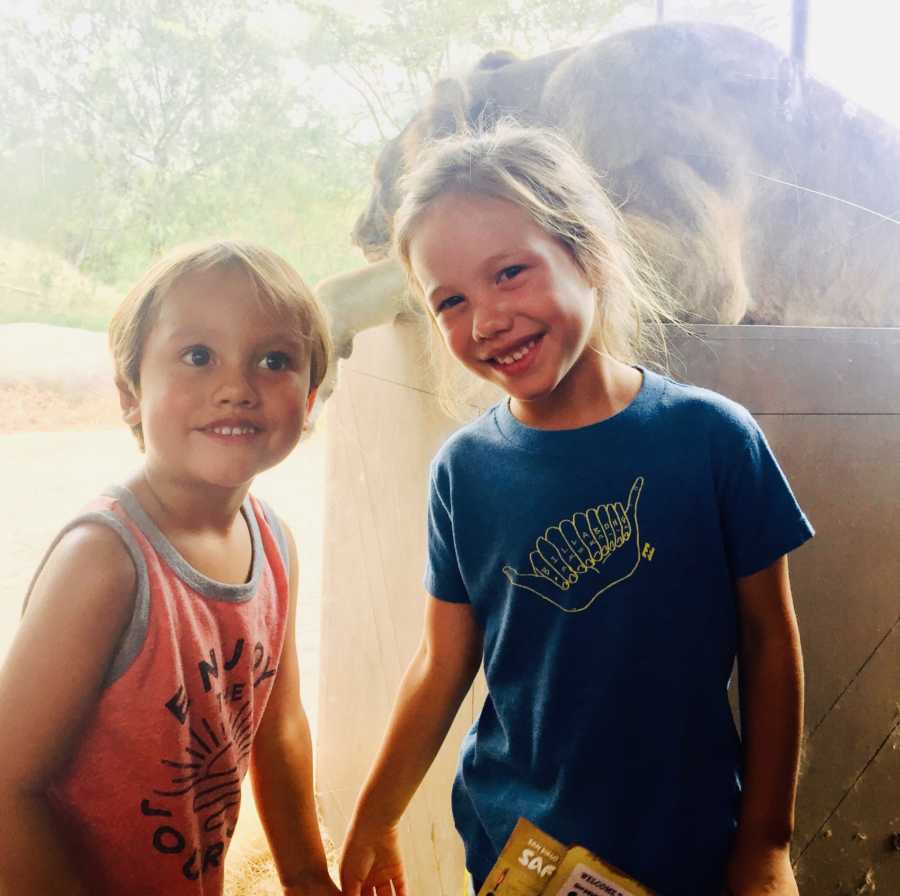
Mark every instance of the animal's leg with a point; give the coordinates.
(358, 300)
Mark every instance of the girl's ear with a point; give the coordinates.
(129, 403)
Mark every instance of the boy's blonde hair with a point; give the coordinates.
(540, 172)
(278, 286)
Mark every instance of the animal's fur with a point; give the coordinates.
(759, 201)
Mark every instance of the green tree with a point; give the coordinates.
(390, 60)
(155, 107)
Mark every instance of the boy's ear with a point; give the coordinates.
(309, 419)
(129, 403)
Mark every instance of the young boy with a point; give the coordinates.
(155, 662)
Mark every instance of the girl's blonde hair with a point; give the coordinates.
(539, 171)
(278, 288)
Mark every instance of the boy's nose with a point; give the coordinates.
(236, 389)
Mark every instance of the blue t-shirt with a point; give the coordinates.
(601, 564)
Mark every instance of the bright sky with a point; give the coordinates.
(852, 43)
(853, 46)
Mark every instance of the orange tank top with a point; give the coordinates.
(150, 797)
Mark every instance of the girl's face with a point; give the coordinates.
(510, 301)
(224, 388)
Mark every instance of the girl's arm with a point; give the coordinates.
(51, 678)
(282, 772)
(431, 691)
(771, 682)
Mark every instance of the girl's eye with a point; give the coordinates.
(510, 273)
(198, 356)
(448, 303)
(275, 361)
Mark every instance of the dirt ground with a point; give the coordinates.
(58, 447)
(26, 407)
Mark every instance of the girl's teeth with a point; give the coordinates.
(518, 354)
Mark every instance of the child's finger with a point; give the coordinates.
(350, 887)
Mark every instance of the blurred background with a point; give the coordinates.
(128, 126)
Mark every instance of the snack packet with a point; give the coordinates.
(583, 874)
(529, 859)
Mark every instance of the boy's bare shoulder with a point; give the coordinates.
(90, 566)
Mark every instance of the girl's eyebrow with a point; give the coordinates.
(486, 264)
(432, 292)
(499, 257)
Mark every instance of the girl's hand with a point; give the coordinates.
(371, 859)
(760, 872)
(315, 883)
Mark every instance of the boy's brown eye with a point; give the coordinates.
(198, 356)
(275, 361)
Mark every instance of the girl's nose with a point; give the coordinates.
(490, 319)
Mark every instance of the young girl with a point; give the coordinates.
(604, 540)
(155, 660)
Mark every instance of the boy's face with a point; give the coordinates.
(224, 385)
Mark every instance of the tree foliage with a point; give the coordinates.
(154, 121)
(390, 61)
(129, 125)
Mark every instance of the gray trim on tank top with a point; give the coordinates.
(135, 634)
(191, 577)
(279, 533)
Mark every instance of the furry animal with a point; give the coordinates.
(761, 195)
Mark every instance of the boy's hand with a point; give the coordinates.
(760, 872)
(315, 883)
(371, 858)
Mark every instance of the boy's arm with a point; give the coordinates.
(771, 687)
(431, 691)
(282, 772)
(50, 680)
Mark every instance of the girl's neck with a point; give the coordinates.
(597, 389)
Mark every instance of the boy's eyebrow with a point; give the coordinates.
(182, 334)
(191, 334)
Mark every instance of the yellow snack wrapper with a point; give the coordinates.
(527, 862)
(581, 873)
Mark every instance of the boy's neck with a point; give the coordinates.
(204, 527)
(177, 508)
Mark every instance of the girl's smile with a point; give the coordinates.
(515, 360)
(511, 303)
